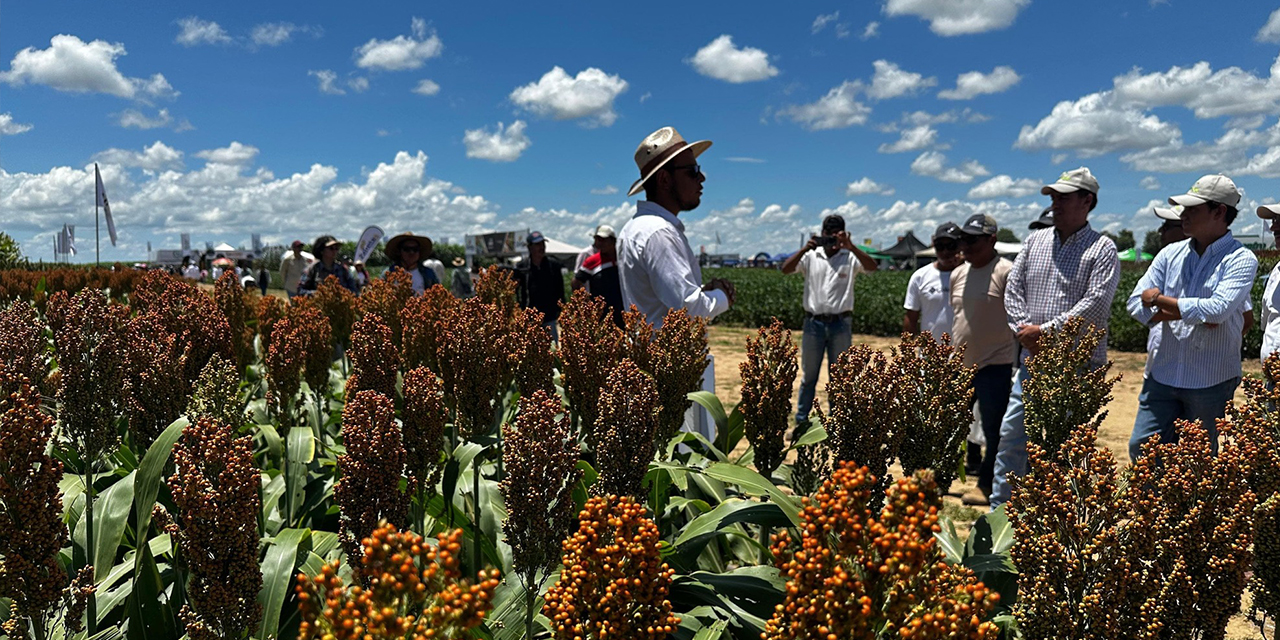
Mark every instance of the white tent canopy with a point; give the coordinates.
(1002, 248)
(223, 247)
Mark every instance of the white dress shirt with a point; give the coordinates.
(658, 270)
(1271, 314)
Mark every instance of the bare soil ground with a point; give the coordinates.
(728, 345)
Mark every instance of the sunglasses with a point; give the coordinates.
(697, 170)
(412, 248)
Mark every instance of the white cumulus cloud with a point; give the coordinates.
(157, 157)
(426, 87)
(1097, 124)
(891, 81)
(606, 190)
(503, 144)
(234, 153)
(975, 83)
(400, 53)
(588, 96)
(1270, 32)
(912, 139)
(959, 17)
(196, 31)
(836, 110)
(934, 165)
(1207, 93)
(135, 119)
(723, 61)
(1151, 183)
(73, 65)
(274, 34)
(867, 186)
(871, 30)
(1003, 186)
(821, 22)
(10, 128)
(328, 81)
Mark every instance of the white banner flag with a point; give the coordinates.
(256, 239)
(368, 242)
(71, 240)
(106, 207)
(186, 243)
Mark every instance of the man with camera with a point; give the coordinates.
(828, 301)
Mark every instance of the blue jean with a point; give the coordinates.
(1159, 405)
(830, 337)
(1011, 451)
(992, 385)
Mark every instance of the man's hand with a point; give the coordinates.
(723, 285)
(1149, 296)
(843, 241)
(810, 245)
(1159, 317)
(1029, 337)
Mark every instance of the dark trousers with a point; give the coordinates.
(991, 387)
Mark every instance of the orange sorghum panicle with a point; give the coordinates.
(270, 310)
(614, 583)
(496, 287)
(317, 343)
(625, 430)
(768, 374)
(285, 362)
(155, 391)
(189, 313)
(424, 419)
(677, 360)
(31, 527)
(373, 358)
(338, 304)
(531, 353)
(233, 300)
(385, 297)
(368, 488)
(474, 363)
(420, 322)
(415, 591)
(215, 488)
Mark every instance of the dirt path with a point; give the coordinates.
(728, 344)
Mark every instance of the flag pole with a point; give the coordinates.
(97, 258)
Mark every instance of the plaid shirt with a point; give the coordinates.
(1053, 280)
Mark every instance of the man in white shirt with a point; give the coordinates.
(828, 301)
(1271, 298)
(190, 271)
(928, 302)
(292, 267)
(657, 268)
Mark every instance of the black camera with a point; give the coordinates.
(825, 241)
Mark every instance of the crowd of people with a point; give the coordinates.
(1194, 297)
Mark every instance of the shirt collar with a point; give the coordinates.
(1080, 234)
(1221, 245)
(646, 208)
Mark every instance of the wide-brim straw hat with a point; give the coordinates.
(458, 262)
(657, 150)
(393, 245)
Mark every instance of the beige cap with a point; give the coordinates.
(1210, 188)
(605, 231)
(657, 149)
(1071, 181)
(1174, 214)
(1269, 211)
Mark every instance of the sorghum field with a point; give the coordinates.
(179, 462)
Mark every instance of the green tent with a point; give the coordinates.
(1132, 255)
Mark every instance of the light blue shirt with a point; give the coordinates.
(1203, 348)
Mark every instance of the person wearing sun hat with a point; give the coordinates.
(328, 265)
(657, 268)
(1194, 293)
(461, 285)
(1271, 297)
(1064, 271)
(406, 252)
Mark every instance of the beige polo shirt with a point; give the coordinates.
(977, 299)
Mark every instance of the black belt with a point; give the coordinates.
(828, 317)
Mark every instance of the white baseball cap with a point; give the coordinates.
(1073, 180)
(1269, 211)
(1174, 214)
(605, 231)
(1210, 188)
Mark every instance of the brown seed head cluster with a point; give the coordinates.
(852, 575)
(678, 358)
(1161, 555)
(317, 343)
(1265, 584)
(531, 355)
(768, 374)
(217, 394)
(614, 583)
(237, 307)
(420, 320)
(935, 393)
(414, 591)
(89, 341)
(337, 304)
(540, 456)
(424, 418)
(155, 389)
(373, 358)
(497, 287)
(588, 351)
(475, 364)
(368, 489)
(270, 310)
(1257, 422)
(626, 427)
(215, 488)
(31, 527)
(1064, 390)
(23, 345)
(385, 297)
(637, 338)
(862, 392)
(189, 313)
(285, 362)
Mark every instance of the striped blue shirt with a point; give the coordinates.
(1203, 348)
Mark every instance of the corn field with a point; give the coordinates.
(183, 462)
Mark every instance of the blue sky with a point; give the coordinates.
(290, 120)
